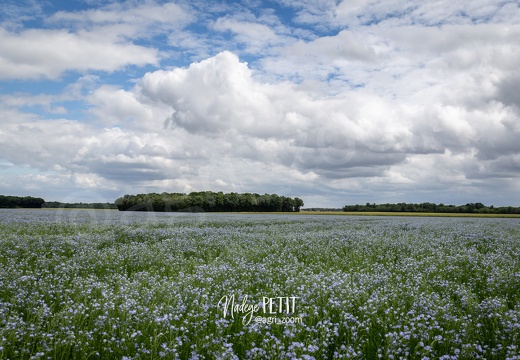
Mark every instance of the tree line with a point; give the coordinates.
(80, 205)
(433, 208)
(7, 201)
(208, 201)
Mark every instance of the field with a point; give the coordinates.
(110, 285)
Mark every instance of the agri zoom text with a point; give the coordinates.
(269, 306)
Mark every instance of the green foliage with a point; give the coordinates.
(427, 207)
(208, 201)
(20, 202)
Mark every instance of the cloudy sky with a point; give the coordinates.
(337, 102)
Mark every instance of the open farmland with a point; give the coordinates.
(104, 284)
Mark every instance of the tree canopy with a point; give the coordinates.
(208, 201)
(7, 201)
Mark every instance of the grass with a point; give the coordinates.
(124, 286)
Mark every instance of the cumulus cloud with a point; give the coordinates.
(214, 96)
(219, 99)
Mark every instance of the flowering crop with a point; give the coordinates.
(104, 284)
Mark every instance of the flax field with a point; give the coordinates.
(95, 284)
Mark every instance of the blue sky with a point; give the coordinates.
(337, 102)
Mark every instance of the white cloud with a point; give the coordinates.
(221, 112)
(144, 18)
(334, 14)
(89, 40)
(257, 38)
(219, 99)
(113, 106)
(214, 96)
(344, 47)
(33, 54)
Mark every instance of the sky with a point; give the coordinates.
(336, 102)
